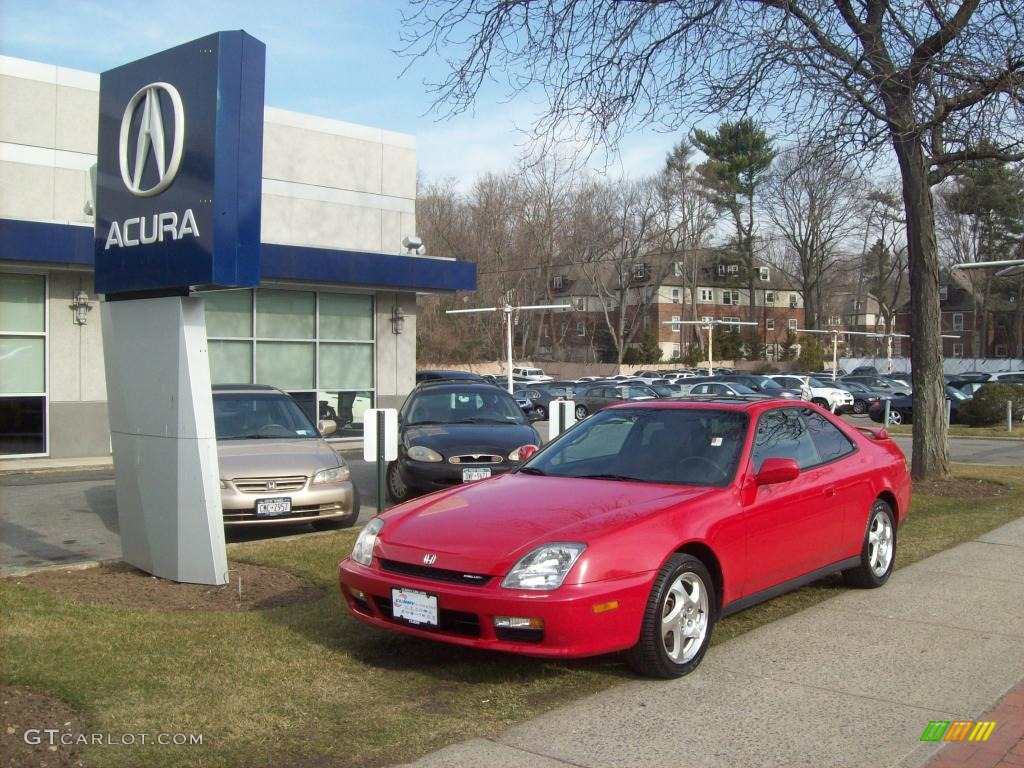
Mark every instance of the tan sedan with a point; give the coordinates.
(275, 466)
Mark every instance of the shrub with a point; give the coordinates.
(988, 406)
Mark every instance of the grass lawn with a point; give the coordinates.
(962, 430)
(307, 685)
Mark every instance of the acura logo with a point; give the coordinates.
(152, 139)
(429, 559)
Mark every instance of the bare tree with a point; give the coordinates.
(925, 79)
(811, 198)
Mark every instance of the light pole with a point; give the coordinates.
(508, 310)
(888, 336)
(709, 326)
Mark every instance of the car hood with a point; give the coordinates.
(456, 439)
(485, 527)
(274, 458)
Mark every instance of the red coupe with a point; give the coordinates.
(636, 530)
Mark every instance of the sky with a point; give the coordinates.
(331, 58)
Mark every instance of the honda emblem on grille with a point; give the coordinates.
(271, 485)
(429, 559)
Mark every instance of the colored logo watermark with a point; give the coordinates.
(958, 730)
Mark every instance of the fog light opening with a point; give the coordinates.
(518, 622)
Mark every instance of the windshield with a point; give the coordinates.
(493, 406)
(669, 445)
(768, 385)
(259, 415)
(741, 389)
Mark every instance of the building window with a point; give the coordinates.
(676, 351)
(943, 292)
(581, 328)
(318, 346)
(556, 282)
(1001, 350)
(762, 273)
(23, 342)
(769, 324)
(958, 350)
(769, 297)
(676, 319)
(579, 303)
(734, 320)
(639, 271)
(792, 324)
(677, 269)
(731, 297)
(706, 296)
(792, 301)
(707, 319)
(675, 295)
(721, 269)
(734, 269)
(835, 320)
(958, 321)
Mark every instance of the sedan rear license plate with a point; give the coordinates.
(273, 507)
(414, 606)
(469, 474)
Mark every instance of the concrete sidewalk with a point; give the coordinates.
(850, 682)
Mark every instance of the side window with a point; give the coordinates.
(783, 434)
(830, 442)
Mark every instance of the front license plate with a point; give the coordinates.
(414, 606)
(469, 474)
(273, 507)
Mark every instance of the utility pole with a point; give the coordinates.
(707, 325)
(508, 311)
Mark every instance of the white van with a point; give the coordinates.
(530, 374)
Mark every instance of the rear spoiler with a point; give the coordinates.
(875, 433)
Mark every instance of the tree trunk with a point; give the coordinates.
(931, 447)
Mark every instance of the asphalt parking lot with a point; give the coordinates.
(63, 517)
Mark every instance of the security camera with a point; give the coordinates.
(412, 243)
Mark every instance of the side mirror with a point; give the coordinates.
(774, 471)
(327, 427)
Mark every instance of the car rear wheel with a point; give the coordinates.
(820, 401)
(581, 412)
(878, 554)
(860, 407)
(677, 621)
(397, 489)
(542, 412)
(895, 417)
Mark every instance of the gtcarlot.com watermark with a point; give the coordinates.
(54, 737)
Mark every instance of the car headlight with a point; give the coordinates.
(335, 475)
(545, 567)
(422, 453)
(515, 455)
(362, 552)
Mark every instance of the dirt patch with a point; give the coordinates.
(26, 714)
(122, 586)
(960, 488)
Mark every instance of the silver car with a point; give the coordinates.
(275, 466)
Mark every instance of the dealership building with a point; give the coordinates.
(333, 321)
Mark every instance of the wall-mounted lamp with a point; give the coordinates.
(81, 307)
(397, 319)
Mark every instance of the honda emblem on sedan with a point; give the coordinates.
(271, 485)
(429, 559)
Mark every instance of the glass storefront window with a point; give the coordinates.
(231, 362)
(345, 317)
(228, 314)
(319, 347)
(285, 314)
(285, 364)
(346, 366)
(23, 407)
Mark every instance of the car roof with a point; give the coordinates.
(246, 388)
(726, 403)
(461, 385)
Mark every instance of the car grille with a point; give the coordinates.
(266, 485)
(476, 458)
(435, 574)
(452, 622)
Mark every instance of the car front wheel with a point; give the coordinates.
(581, 412)
(860, 407)
(878, 553)
(677, 621)
(895, 417)
(398, 491)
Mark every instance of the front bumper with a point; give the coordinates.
(577, 619)
(310, 503)
(433, 476)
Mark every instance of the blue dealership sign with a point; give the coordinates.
(180, 167)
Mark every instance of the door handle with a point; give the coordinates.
(830, 492)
